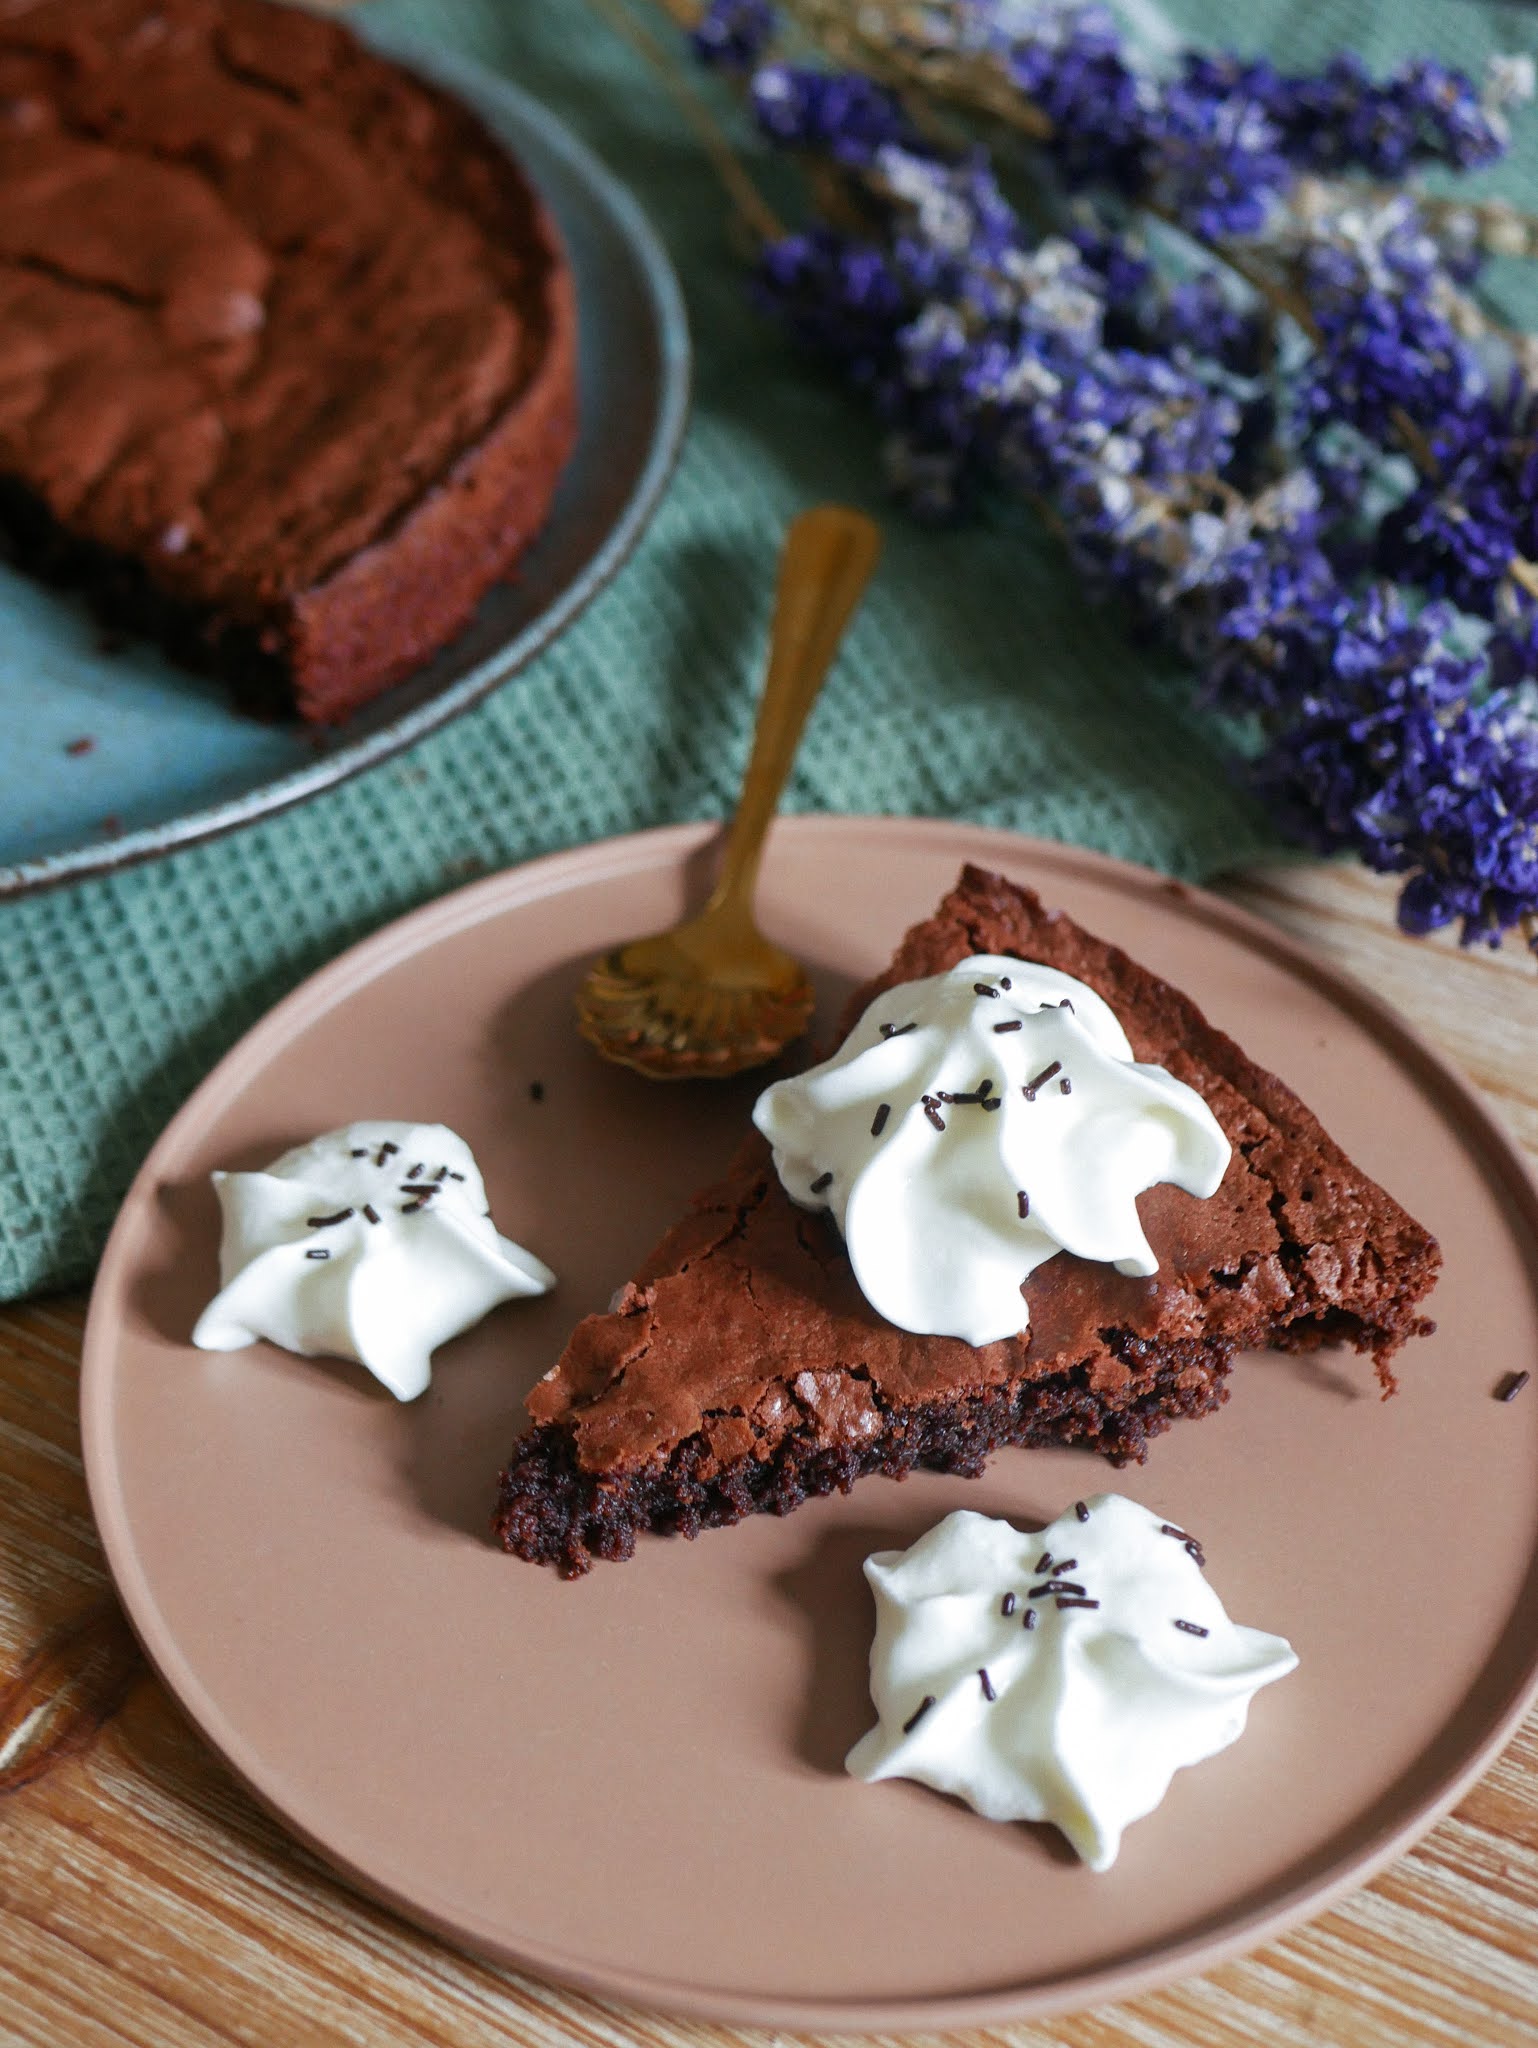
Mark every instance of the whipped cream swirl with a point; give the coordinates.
(974, 1124)
(372, 1243)
(1060, 1676)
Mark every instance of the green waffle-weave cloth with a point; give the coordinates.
(976, 683)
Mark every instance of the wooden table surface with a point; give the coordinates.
(145, 1899)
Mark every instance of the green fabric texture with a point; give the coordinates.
(976, 683)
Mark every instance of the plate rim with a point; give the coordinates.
(463, 77)
(672, 846)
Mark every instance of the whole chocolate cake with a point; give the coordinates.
(287, 343)
(743, 1369)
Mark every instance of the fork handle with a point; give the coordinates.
(825, 564)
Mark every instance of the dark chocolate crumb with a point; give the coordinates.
(1007, 1605)
(823, 1180)
(1014, 1024)
(1041, 1080)
(878, 1121)
(76, 748)
(536, 1091)
(1076, 1602)
(318, 1252)
(1512, 1385)
(1193, 1628)
(1081, 1511)
(325, 1222)
(918, 1713)
(371, 1212)
(987, 1684)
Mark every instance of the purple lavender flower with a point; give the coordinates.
(838, 112)
(731, 35)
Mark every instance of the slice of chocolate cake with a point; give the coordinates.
(743, 1369)
(287, 342)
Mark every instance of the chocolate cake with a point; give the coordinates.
(287, 342)
(742, 1370)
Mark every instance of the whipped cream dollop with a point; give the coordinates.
(372, 1243)
(972, 1125)
(1063, 1675)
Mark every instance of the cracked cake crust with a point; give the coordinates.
(287, 342)
(741, 1370)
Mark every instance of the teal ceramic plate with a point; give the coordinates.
(168, 760)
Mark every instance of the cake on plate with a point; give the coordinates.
(744, 1367)
(287, 342)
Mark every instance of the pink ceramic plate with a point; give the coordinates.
(634, 1782)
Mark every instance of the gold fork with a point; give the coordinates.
(712, 996)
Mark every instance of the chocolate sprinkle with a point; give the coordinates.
(1030, 1617)
(823, 1180)
(1512, 1385)
(325, 1222)
(1066, 1085)
(421, 1192)
(1044, 1562)
(441, 1174)
(384, 1152)
(984, 988)
(931, 1110)
(1023, 1201)
(1014, 1024)
(1182, 1535)
(993, 1102)
(1065, 1004)
(413, 1171)
(1193, 1628)
(897, 1030)
(1078, 1603)
(1041, 1080)
(371, 1212)
(455, 1176)
(1196, 1554)
(987, 1684)
(1081, 1511)
(319, 1252)
(1005, 982)
(1065, 1564)
(1007, 1606)
(918, 1713)
(359, 1152)
(878, 1121)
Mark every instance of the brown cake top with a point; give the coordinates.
(259, 288)
(747, 1318)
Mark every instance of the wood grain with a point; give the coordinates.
(145, 1899)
